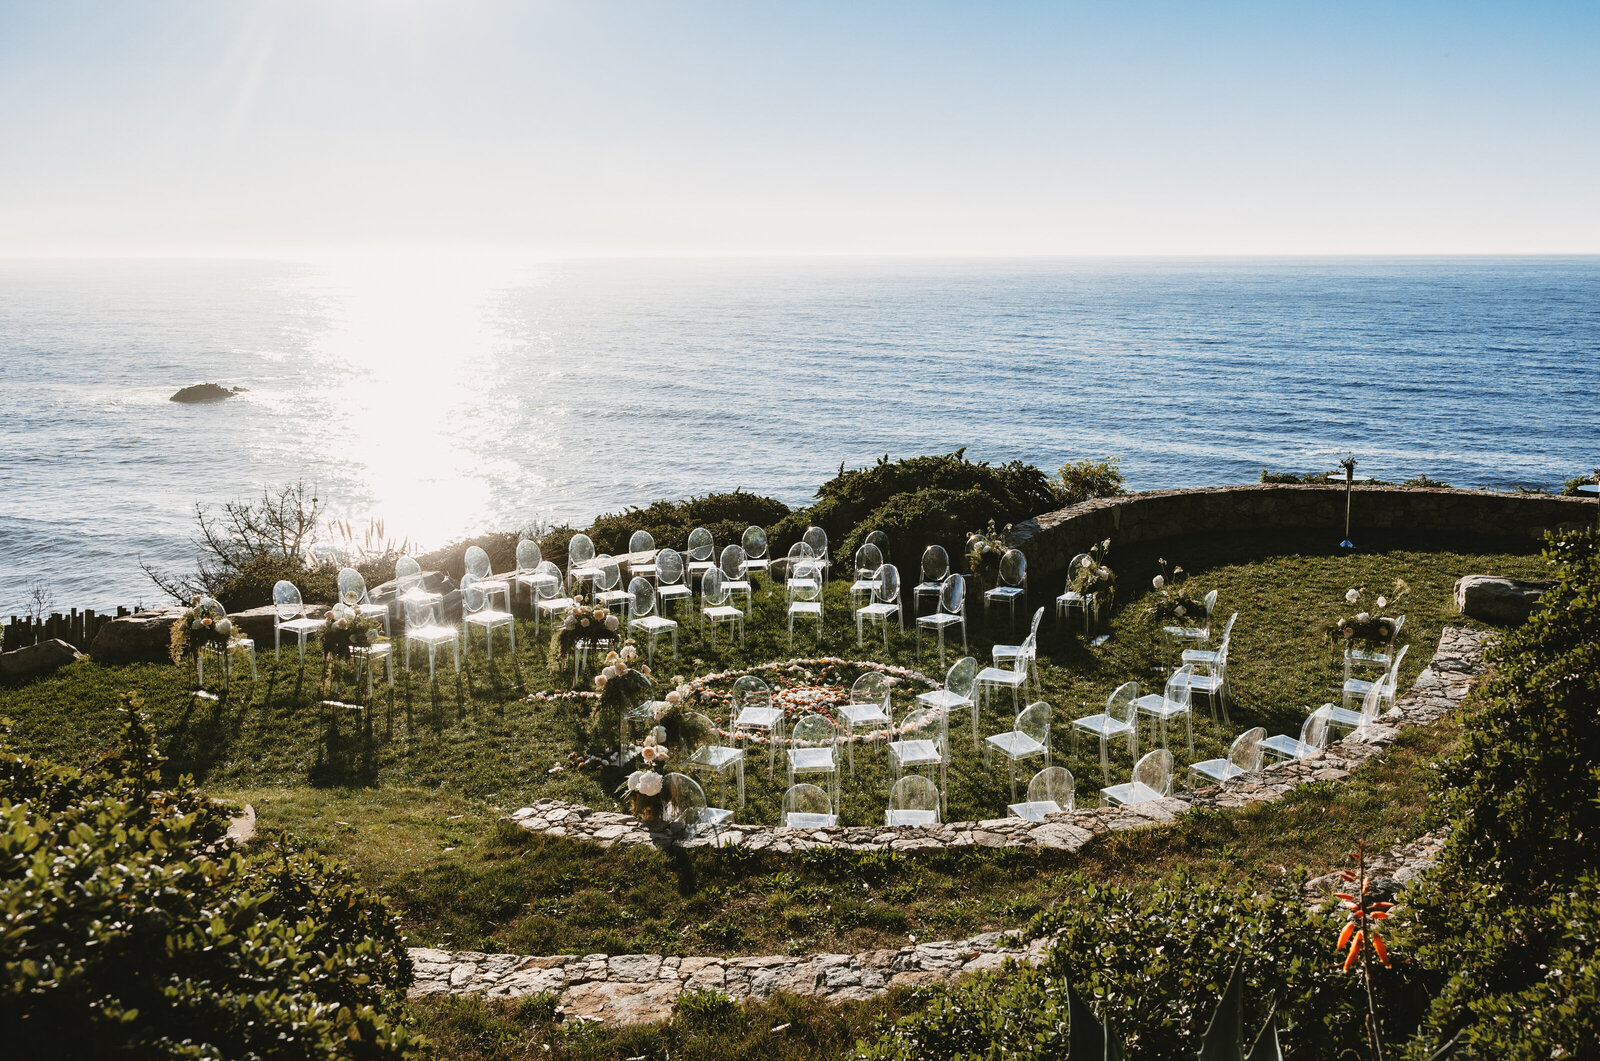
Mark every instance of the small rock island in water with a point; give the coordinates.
(206, 392)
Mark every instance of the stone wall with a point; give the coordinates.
(1051, 540)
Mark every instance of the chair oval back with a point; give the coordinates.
(1081, 560)
(801, 551)
(700, 545)
(935, 563)
(211, 608)
(732, 562)
(685, 801)
(608, 573)
(1227, 629)
(925, 723)
(1178, 690)
(868, 558)
(641, 542)
(750, 691)
(962, 677)
(1399, 623)
(637, 690)
(1246, 752)
(1119, 705)
(477, 562)
(817, 538)
(1314, 731)
(1372, 700)
(807, 584)
(871, 688)
(641, 598)
(421, 613)
(712, 590)
(1054, 784)
(696, 731)
(805, 799)
(881, 540)
(1013, 567)
(755, 543)
(407, 574)
(352, 587)
(528, 555)
(1210, 601)
(1034, 720)
(888, 579)
(1033, 631)
(1025, 654)
(953, 594)
(580, 550)
(669, 567)
(549, 582)
(286, 601)
(1154, 770)
(811, 730)
(473, 598)
(1394, 670)
(915, 792)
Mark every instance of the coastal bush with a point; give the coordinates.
(1087, 479)
(1571, 488)
(130, 928)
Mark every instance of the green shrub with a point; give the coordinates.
(128, 929)
(1087, 479)
(1570, 487)
(1423, 480)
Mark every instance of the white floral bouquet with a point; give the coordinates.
(585, 622)
(1094, 574)
(1172, 601)
(1364, 627)
(197, 628)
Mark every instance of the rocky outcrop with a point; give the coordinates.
(205, 392)
(130, 638)
(1492, 599)
(35, 661)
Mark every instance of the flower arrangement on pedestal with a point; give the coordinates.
(645, 788)
(202, 625)
(984, 550)
(1364, 627)
(595, 626)
(1173, 601)
(1094, 575)
(345, 628)
(622, 683)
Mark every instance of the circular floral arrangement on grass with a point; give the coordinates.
(799, 686)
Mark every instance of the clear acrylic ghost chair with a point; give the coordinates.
(714, 606)
(477, 565)
(408, 581)
(814, 749)
(952, 611)
(1052, 791)
(1204, 657)
(1071, 598)
(1344, 720)
(1015, 677)
(805, 598)
(753, 712)
(686, 805)
(353, 595)
(913, 800)
(959, 692)
(289, 613)
(754, 543)
(1012, 588)
(1174, 701)
(608, 591)
(702, 750)
(1199, 634)
(868, 559)
(1312, 740)
(733, 565)
(640, 706)
(1244, 757)
(1116, 722)
(426, 627)
(1383, 657)
(530, 569)
(365, 657)
(478, 610)
(580, 558)
(641, 555)
(1213, 685)
(1027, 738)
(1357, 688)
(885, 603)
(921, 740)
(642, 616)
(881, 540)
(1152, 780)
(807, 807)
(212, 609)
(1003, 654)
(935, 567)
(867, 711)
(800, 553)
(547, 596)
(670, 584)
(700, 552)
(817, 538)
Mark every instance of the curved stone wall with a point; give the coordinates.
(1051, 540)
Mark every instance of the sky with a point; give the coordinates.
(591, 127)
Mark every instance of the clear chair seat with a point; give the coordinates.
(556, 604)
(1015, 744)
(1192, 633)
(1199, 655)
(1103, 725)
(431, 634)
(716, 756)
(944, 698)
(303, 623)
(915, 752)
(911, 817)
(377, 650)
(1341, 716)
(1205, 683)
(1003, 592)
(802, 820)
(879, 608)
(714, 817)
(860, 714)
(804, 607)
(1035, 810)
(674, 591)
(421, 596)
(1287, 747)
(1356, 655)
(1353, 687)
(1132, 792)
(652, 622)
(723, 611)
(489, 617)
(1071, 596)
(758, 718)
(1159, 706)
(1218, 770)
(811, 760)
(938, 619)
(1007, 676)
(864, 585)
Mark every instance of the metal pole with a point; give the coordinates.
(1349, 465)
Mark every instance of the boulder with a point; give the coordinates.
(258, 623)
(142, 636)
(35, 661)
(1498, 600)
(205, 392)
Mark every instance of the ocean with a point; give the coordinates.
(449, 393)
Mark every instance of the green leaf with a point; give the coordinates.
(1224, 1040)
